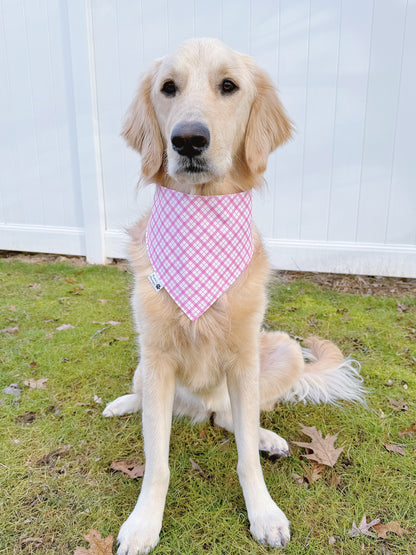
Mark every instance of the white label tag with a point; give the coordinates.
(155, 281)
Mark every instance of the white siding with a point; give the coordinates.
(341, 196)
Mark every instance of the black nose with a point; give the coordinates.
(190, 138)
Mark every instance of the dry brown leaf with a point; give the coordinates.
(36, 384)
(299, 479)
(10, 329)
(38, 541)
(13, 308)
(363, 528)
(51, 458)
(314, 472)
(103, 301)
(26, 418)
(98, 544)
(392, 526)
(132, 470)
(196, 467)
(64, 327)
(409, 432)
(394, 448)
(324, 451)
(398, 405)
(335, 480)
(35, 286)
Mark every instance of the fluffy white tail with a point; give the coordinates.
(327, 376)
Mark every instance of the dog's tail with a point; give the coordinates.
(328, 377)
(317, 373)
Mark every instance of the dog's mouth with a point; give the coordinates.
(193, 165)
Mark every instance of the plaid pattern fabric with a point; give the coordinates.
(199, 245)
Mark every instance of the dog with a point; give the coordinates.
(205, 120)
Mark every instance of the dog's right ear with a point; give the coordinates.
(141, 129)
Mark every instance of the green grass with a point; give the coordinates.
(203, 514)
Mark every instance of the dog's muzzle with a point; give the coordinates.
(190, 139)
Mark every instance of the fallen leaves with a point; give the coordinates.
(398, 405)
(196, 467)
(98, 544)
(363, 529)
(51, 458)
(27, 418)
(12, 330)
(65, 327)
(36, 384)
(37, 542)
(321, 450)
(311, 474)
(392, 526)
(394, 448)
(132, 470)
(409, 432)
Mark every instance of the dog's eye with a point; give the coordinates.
(169, 88)
(227, 86)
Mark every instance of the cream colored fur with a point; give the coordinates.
(221, 363)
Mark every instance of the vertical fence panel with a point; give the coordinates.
(380, 119)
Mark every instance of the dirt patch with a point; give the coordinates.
(343, 283)
(42, 258)
(356, 285)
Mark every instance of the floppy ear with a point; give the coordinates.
(141, 129)
(268, 125)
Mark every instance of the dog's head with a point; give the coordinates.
(203, 112)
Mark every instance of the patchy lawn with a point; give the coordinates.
(67, 343)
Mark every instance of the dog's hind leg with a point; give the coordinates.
(281, 364)
(269, 442)
(127, 404)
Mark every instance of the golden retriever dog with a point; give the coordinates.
(205, 120)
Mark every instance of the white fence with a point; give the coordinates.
(341, 195)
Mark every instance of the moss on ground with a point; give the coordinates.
(95, 358)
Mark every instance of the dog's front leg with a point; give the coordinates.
(140, 532)
(267, 522)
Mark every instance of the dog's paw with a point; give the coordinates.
(127, 404)
(137, 536)
(271, 527)
(272, 443)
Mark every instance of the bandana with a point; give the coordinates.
(198, 245)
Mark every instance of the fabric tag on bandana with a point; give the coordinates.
(198, 245)
(155, 281)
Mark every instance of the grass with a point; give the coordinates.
(204, 514)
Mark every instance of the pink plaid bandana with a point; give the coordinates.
(198, 245)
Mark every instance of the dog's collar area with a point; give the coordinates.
(199, 245)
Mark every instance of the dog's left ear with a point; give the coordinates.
(141, 129)
(268, 124)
